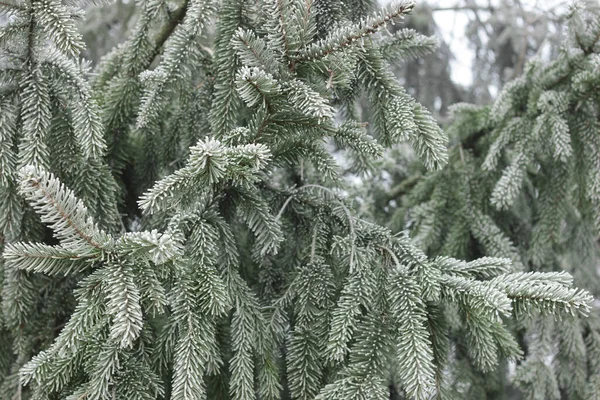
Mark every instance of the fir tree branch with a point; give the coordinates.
(226, 102)
(54, 18)
(414, 352)
(36, 116)
(407, 44)
(180, 45)
(345, 37)
(254, 52)
(123, 303)
(175, 18)
(58, 206)
(282, 24)
(51, 260)
(86, 114)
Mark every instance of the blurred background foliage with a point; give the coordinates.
(482, 44)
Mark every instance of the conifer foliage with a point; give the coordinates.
(522, 183)
(173, 226)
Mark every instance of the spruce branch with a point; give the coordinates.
(429, 141)
(180, 45)
(407, 44)
(310, 103)
(255, 211)
(123, 303)
(55, 19)
(36, 117)
(481, 268)
(489, 300)
(493, 240)
(253, 51)
(546, 292)
(8, 130)
(414, 350)
(156, 247)
(256, 87)
(61, 210)
(509, 186)
(354, 136)
(358, 286)
(226, 102)
(343, 37)
(362, 376)
(103, 368)
(245, 328)
(65, 353)
(207, 163)
(86, 114)
(242, 362)
(51, 260)
(175, 18)
(280, 40)
(191, 357)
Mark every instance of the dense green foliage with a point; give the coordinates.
(522, 183)
(173, 224)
